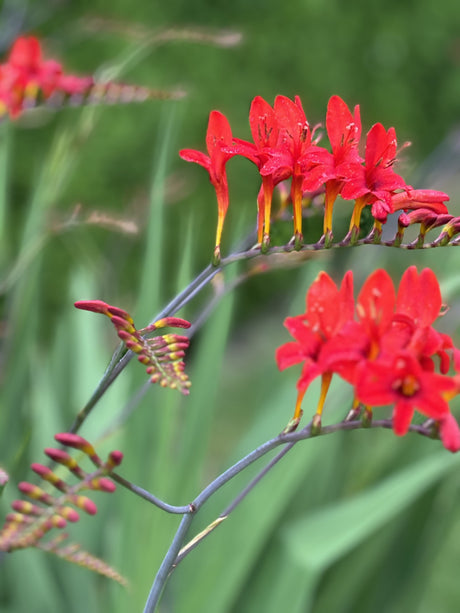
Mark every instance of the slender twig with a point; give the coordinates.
(121, 356)
(139, 491)
(286, 249)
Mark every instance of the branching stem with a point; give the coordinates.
(176, 553)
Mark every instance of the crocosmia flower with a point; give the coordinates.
(265, 130)
(218, 138)
(404, 383)
(328, 309)
(295, 139)
(26, 76)
(375, 182)
(331, 169)
(385, 347)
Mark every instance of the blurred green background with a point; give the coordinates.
(357, 521)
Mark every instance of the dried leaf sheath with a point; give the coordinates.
(161, 355)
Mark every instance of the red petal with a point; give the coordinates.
(263, 123)
(289, 354)
(450, 433)
(192, 155)
(380, 146)
(419, 296)
(309, 372)
(342, 128)
(327, 307)
(25, 53)
(219, 133)
(376, 300)
(402, 417)
(294, 127)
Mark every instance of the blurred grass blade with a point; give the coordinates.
(320, 539)
(152, 274)
(5, 138)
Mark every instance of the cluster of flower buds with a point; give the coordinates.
(161, 355)
(286, 147)
(31, 521)
(385, 346)
(27, 79)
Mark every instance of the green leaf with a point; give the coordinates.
(320, 539)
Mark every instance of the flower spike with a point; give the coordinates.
(28, 80)
(384, 347)
(162, 355)
(30, 523)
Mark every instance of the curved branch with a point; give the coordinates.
(171, 561)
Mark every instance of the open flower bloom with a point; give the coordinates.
(404, 383)
(265, 131)
(330, 169)
(375, 182)
(218, 139)
(328, 309)
(295, 139)
(385, 347)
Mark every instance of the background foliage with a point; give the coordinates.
(357, 521)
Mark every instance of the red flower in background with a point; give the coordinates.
(218, 139)
(26, 76)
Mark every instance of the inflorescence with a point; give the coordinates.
(384, 345)
(285, 147)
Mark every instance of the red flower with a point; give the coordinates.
(386, 353)
(406, 384)
(265, 131)
(328, 309)
(218, 139)
(26, 75)
(344, 132)
(366, 338)
(287, 159)
(450, 433)
(374, 183)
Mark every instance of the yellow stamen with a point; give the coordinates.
(409, 386)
